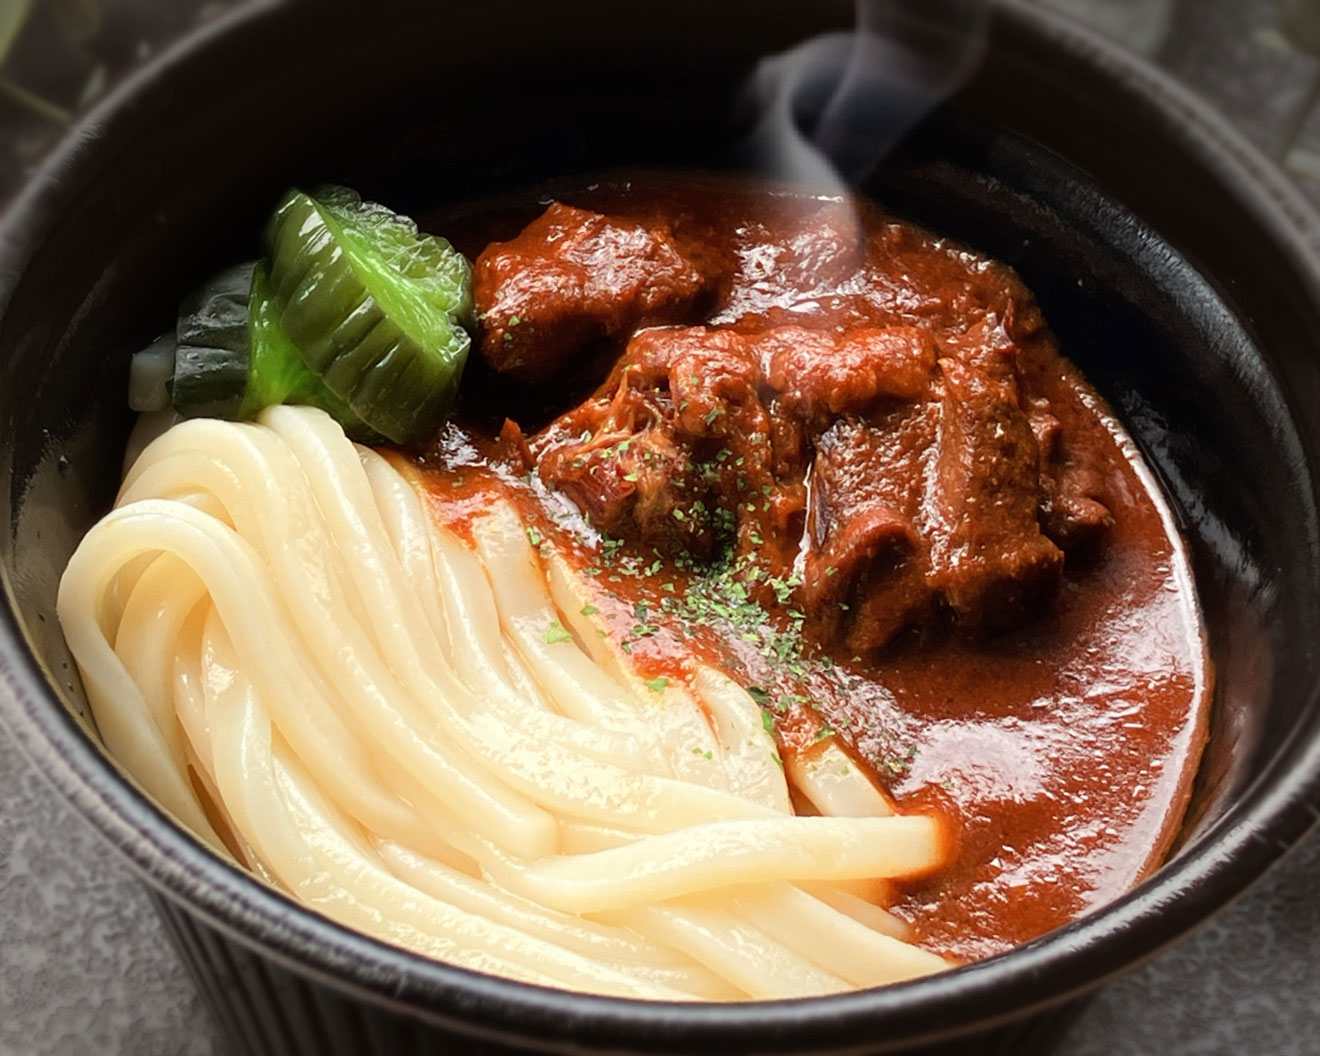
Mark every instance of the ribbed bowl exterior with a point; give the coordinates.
(262, 1009)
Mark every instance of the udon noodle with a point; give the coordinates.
(430, 742)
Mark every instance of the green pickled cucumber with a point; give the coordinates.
(377, 310)
(211, 359)
(233, 358)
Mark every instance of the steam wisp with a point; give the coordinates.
(831, 108)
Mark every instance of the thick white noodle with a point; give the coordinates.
(429, 741)
(834, 784)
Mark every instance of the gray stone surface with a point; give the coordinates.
(1245, 983)
(1234, 53)
(1142, 25)
(84, 966)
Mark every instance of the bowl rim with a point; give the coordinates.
(1271, 817)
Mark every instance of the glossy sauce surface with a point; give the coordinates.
(1062, 750)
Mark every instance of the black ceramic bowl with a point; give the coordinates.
(1179, 269)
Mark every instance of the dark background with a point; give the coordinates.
(84, 964)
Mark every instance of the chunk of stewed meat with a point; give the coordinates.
(989, 559)
(575, 279)
(1073, 511)
(643, 487)
(824, 250)
(865, 566)
(986, 346)
(820, 375)
(730, 470)
(907, 490)
(711, 377)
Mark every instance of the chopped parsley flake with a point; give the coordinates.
(589, 610)
(556, 633)
(657, 685)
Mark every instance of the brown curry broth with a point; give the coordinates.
(1064, 752)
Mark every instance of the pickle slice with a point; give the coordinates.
(211, 360)
(277, 373)
(233, 357)
(376, 309)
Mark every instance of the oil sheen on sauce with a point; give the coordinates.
(1062, 752)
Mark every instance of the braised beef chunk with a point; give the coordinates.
(675, 441)
(988, 346)
(897, 464)
(571, 280)
(642, 486)
(824, 249)
(989, 560)
(865, 563)
(821, 375)
(1073, 512)
(711, 377)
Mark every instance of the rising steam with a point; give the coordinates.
(831, 108)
